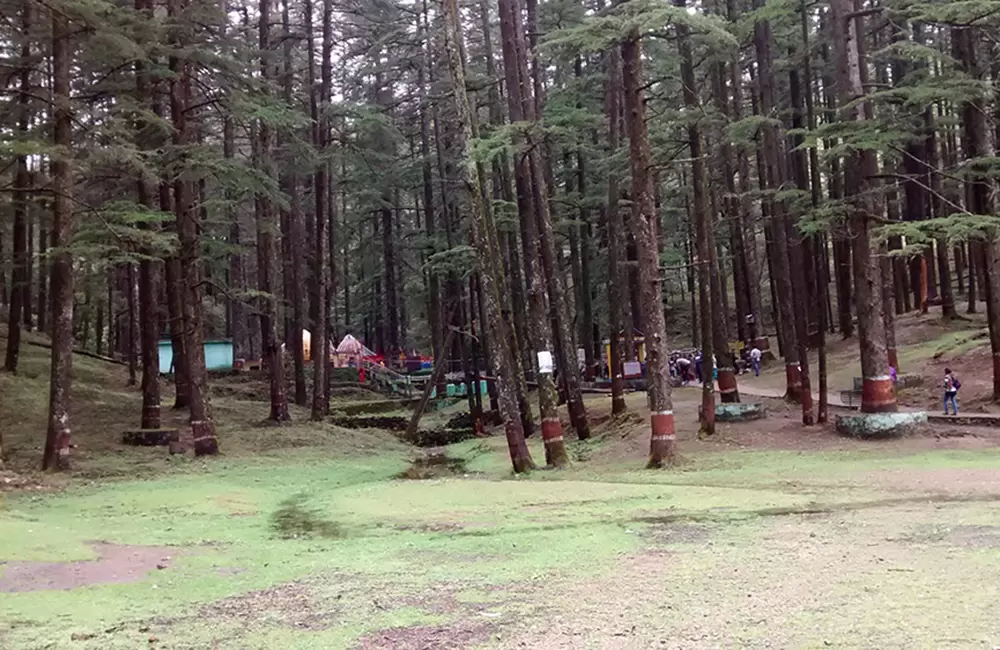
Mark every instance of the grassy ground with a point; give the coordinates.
(303, 537)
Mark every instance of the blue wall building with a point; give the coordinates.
(218, 355)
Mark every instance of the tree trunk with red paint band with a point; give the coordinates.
(663, 442)
(878, 395)
(793, 382)
(860, 174)
(555, 446)
(205, 442)
(728, 390)
(662, 448)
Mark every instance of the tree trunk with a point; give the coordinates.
(780, 264)
(878, 393)
(563, 340)
(976, 144)
(539, 326)
(43, 278)
(617, 285)
(485, 236)
(705, 238)
(662, 448)
(132, 309)
(293, 240)
(149, 276)
(433, 288)
(798, 258)
(731, 210)
(938, 208)
(20, 297)
(815, 247)
(57, 439)
(188, 227)
(586, 257)
(266, 249)
(321, 324)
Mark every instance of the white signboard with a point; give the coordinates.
(633, 369)
(545, 364)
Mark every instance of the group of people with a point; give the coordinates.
(688, 366)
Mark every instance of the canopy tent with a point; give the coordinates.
(351, 351)
(351, 345)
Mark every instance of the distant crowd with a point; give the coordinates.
(688, 365)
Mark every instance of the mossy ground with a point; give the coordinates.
(304, 537)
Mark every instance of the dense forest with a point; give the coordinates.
(493, 183)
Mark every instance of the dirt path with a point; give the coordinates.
(115, 564)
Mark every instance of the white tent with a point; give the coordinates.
(350, 350)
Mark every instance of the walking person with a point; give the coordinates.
(951, 386)
(755, 360)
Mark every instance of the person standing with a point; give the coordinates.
(755, 360)
(951, 386)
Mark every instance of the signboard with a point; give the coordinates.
(545, 365)
(633, 369)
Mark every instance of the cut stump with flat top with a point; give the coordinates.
(880, 426)
(149, 437)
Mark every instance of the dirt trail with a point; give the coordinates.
(115, 564)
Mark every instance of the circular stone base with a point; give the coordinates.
(880, 426)
(738, 412)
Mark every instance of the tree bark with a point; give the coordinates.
(485, 236)
(57, 439)
(149, 269)
(938, 209)
(319, 105)
(705, 238)
(188, 227)
(44, 236)
(797, 253)
(433, 286)
(841, 245)
(976, 143)
(20, 297)
(815, 247)
(663, 448)
(772, 155)
(617, 284)
(293, 239)
(562, 333)
(540, 310)
(266, 249)
(878, 393)
(731, 209)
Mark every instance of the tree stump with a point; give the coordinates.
(149, 437)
